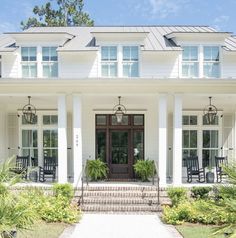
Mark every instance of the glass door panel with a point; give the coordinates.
(101, 145)
(30, 143)
(138, 143)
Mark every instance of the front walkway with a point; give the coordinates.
(121, 226)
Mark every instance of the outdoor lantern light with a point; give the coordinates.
(29, 112)
(119, 110)
(210, 112)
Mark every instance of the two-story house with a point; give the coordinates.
(164, 76)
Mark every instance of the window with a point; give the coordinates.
(50, 119)
(130, 61)
(109, 61)
(29, 62)
(190, 63)
(189, 120)
(49, 62)
(50, 143)
(30, 142)
(211, 65)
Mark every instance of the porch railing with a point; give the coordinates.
(82, 177)
(155, 175)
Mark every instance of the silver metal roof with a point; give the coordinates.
(155, 39)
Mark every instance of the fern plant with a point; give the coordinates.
(96, 169)
(144, 169)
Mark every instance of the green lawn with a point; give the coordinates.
(196, 231)
(43, 229)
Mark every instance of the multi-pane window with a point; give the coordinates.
(29, 62)
(49, 62)
(109, 61)
(130, 61)
(30, 142)
(190, 65)
(189, 144)
(211, 65)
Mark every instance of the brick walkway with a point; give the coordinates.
(122, 226)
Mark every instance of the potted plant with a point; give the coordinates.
(144, 169)
(96, 169)
(210, 176)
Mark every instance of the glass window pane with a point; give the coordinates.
(33, 70)
(101, 120)
(46, 138)
(53, 54)
(138, 141)
(101, 145)
(215, 53)
(46, 120)
(206, 139)
(194, 53)
(205, 121)
(54, 119)
(46, 71)
(45, 53)
(185, 139)
(125, 120)
(193, 120)
(193, 139)
(211, 70)
(25, 71)
(54, 70)
(138, 120)
(105, 53)
(26, 138)
(134, 70)
(126, 53)
(113, 69)
(207, 53)
(54, 138)
(24, 53)
(105, 70)
(185, 120)
(134, 53)
(214, 139)
(126, 70)
(113, 53)
(35, 138)
(24, 122)
(32, 53)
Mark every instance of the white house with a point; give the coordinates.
(74, 75)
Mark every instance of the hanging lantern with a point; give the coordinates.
(210, 112)
(29, 112)
(119, 110)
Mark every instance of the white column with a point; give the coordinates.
(62, 139)
(162, 138)
(177, 141)
(77, 139)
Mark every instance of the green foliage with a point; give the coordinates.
(96, 169)
(226, 192)
(15, 213)
(64, 190)
(52, 208)
(144, 169)
(66, 13)
(200, 192)
(177, 195)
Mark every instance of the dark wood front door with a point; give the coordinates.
(120, 158)
(120, 145)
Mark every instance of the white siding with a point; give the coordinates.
(10, 66)
(228, 66)
(160, 65)
(76, 65)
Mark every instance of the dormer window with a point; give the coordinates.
(190, 63)
(211, 64)
(130, 61)
(50, 62)
(109, 61)
(29, 62)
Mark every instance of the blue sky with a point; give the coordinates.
(216, 13)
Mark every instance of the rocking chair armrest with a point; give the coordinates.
(202, 170)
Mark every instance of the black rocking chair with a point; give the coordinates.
(48, 169)
(194, 170)
(220, 163)
(21, 167)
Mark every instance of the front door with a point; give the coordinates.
(120, 145)
(119, 158)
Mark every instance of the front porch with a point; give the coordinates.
(67, 128)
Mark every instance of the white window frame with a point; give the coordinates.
(200, 128)
(49, 62)
(198, 61)
(109, 62)
(28, 63)
(119, 59)
(39, 127)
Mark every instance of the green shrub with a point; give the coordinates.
(177, 195)
(200, 192)
(64, 190)
(227, 191)
(144, 169)
(96, 169)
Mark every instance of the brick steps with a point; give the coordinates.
(125, 199)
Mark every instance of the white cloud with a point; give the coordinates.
(165, 8)
(8, 27)
(220, 22)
